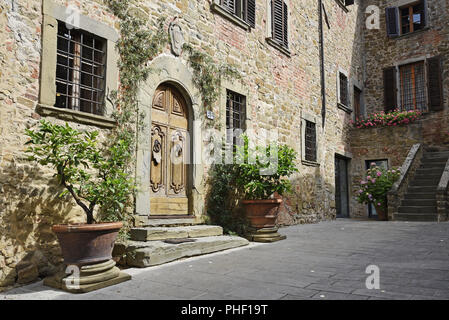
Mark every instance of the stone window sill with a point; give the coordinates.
(310, 163)
(344, 108)
(278, 46)
(233, 18)
(411, 34)
(76, 116)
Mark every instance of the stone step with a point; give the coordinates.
(433, 162)
(418, 209)
(415, 217)
(418, 203)
(429, 171)
(438, 154)
(427, 175)
(145, 221)
(146, 254)
(422, 189)
(164, 233)
(425, 182)
(420, 196)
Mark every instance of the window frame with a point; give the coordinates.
(285, 49)
(74, 96)
(424, 84)
(398, 33)
(242, 115)
(53, 12)
(218, 7)
(306, 117)
(410, 7)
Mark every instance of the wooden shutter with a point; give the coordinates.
(390, 89)
(277, 20)
(285, 30)
(229, 5)
(392, 19)
(434, 82)
(251, 12)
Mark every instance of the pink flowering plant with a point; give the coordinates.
(391, 119)
(378, 181)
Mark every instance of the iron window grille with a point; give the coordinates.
(80, 70)
(344, 89)
(235, 115)
(310, 142)
(413, 91)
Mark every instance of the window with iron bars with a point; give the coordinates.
(344, 97)
(310, 142)
(80, 70)
(235, 115)
(413, 91)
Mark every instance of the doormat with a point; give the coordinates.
(178, 241)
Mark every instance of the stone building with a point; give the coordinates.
(308, 68)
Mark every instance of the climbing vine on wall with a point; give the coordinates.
(138, 44)
(208, 74)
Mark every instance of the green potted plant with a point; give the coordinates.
(262, 177)
(374, 187)
(93, 177)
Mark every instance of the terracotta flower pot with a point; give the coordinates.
(262, 213)
(86, 244)
(381, 213)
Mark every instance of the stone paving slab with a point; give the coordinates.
(325, 261)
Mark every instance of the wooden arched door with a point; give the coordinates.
(169, 153)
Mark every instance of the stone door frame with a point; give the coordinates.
(171, 70)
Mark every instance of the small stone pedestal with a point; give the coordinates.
(90, 278)
(264, 235)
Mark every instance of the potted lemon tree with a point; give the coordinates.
(262, 175)
(97, 180)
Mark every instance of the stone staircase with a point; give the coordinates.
(160, 241)
(419, 203)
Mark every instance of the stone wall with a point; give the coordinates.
(383, 52)
(280, 90)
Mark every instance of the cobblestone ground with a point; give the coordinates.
(321, 261)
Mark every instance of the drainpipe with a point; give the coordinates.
(322, 74)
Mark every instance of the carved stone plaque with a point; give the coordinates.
(177, 38)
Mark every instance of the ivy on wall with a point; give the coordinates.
(139, 44)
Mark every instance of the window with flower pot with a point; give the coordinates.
(414, 86)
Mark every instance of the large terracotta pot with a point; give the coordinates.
(262, 213)
(85, 244)
(381, 213)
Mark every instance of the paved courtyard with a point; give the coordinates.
(322, 261)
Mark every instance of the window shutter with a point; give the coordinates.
(277, 20)
(251, 13)
(285, 30)
(425, 13)
(390, 89)
(434, 83)
(229, 5)
(392, 19)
